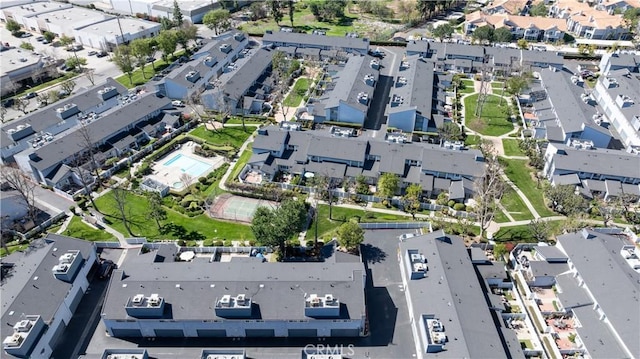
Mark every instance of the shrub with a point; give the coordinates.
(182, 243)
(253, 243)
(202, 180)
(451, 203)
(218, 244)
(228, 243)
(459, 206)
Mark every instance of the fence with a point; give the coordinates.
(44, 225)
(396, 225)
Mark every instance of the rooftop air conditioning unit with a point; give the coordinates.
(328, 298)
(13, 341)
(138, 299)
(66, 258)
(225, 300)
(240, 299)
(154, 300)
(22, 326)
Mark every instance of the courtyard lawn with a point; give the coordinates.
(500, 217)
(303, 20)
(494, 119)
(142, 226)
(244, 158)
(79, 229)
(521, 175)
(496, 88)
(468, 87)
(515, 206)
(512, 147)
(472, 140)
(297, 92)
(228, 136)
(326, 227)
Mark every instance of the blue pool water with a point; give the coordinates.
(188, 165)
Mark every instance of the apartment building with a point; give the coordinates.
(155, 295)
(41, 289)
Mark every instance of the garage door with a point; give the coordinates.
(345, 332)
(126, 333)
(306, 333)
(252, 333)
(164, 333)
(212, 333)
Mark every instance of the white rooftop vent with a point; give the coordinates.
(22, 326)
(66, 258)
(154, 300)
(13, 340)
(225, 301)
(328, 298)
(240, 299)
(138, 299)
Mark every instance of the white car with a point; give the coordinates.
(177, 103)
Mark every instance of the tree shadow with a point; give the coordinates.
(372, 254)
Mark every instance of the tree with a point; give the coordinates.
(489, 187)
(186, 179)
(76, 63)
(539, 9)
(564, 200)
(21, 104)
(629, 19)
(49, 36)
(273, 227)
(483, 34)
(123, 58)
(276, 10)
(540, 229)
(411, 199)
(217, 20)
(156, 211)
(426, 8)
(450, 131)
(27, 46)
(388, 184)
(257, 11)
(90, 74)
(443, 31)
(37, 74)
(499, 250)
(362, 187)
(523, 44)
(177, 14)
(165, 24)
(13, 26)
(516, 84)
(140, 49)
(187, 33)
(68, 86)
(324, 186)
(292, 9)
(23, 186)
(167, 43)
(502, 35)
(87, 147)
(119, 196)
(350, 235)
(66, 40)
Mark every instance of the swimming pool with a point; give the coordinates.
(188, 165)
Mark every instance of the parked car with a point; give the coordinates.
(8, 103)
(91, 53)
(106, 268)
(63, 93)
(177, 103)
(101, 54)
(151, 59)
(30, 95)
(25, 35)
(40, 38)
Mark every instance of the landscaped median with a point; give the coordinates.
(297, 92)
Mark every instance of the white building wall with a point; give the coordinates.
(619, 121)
(132, 7)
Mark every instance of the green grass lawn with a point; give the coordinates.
(500, 217)
(79, 229)
(297, 92)
(12, 248)
(468, 87)
(244, 158)
(523, 233)
(520, 174)
(515, 206)
(247, 121)
(228, 136)
(326, 227)
(511, 147)
(472, 140)
(303, 20)
(526, 344)
(496, 88)
(494, 120)
(142, 226)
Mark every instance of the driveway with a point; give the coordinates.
(376, 113)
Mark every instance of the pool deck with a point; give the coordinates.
(170, 175)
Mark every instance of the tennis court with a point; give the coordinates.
(236, 208)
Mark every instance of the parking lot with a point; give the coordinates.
(102, 67)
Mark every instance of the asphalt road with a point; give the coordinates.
(376, 113)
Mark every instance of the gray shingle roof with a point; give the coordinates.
(418, 91)
(101, 129)
(350, 82)
(32, 289)
(277, 288)
(244, 77)
(451, 292)
(613, 284)
(601, 161)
